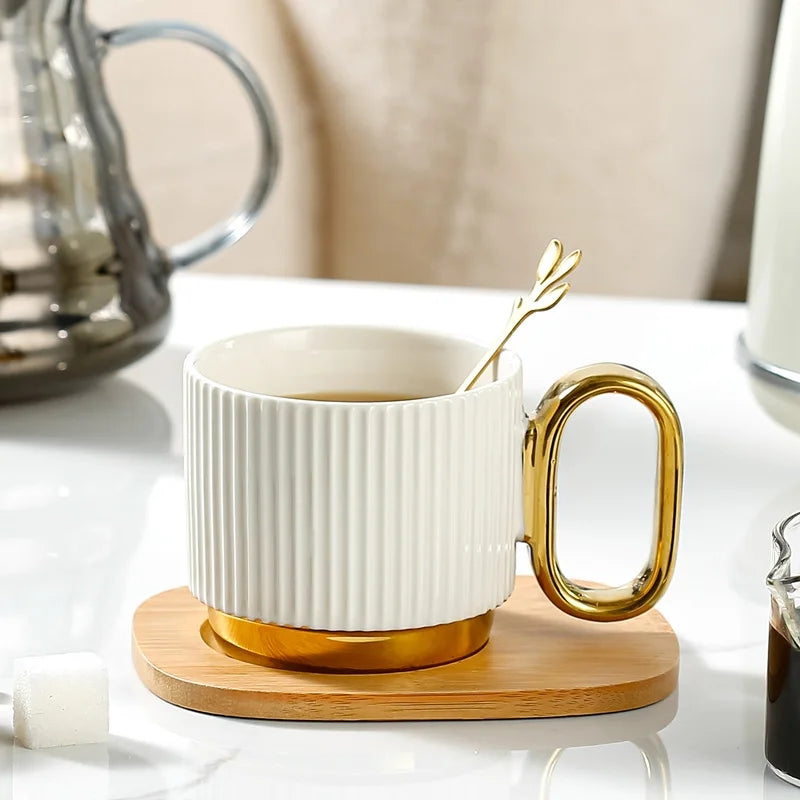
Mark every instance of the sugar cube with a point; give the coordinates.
(60, 700)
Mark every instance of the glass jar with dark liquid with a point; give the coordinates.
(782, 745)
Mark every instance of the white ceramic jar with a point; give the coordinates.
(770, 345)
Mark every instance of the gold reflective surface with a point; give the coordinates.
(548, 290)
(542, 444)
(346, 651)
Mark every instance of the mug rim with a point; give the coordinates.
(190, 363)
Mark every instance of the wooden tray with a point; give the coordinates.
(539, 663)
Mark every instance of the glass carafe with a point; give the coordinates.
(83, 285)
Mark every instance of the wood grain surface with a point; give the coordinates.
(538, 663)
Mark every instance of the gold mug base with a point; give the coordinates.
(345, 651)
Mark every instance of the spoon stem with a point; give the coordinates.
(513, 322)
(548, 290)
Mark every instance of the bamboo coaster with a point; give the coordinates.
(539, 662)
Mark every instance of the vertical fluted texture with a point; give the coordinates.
(353, 516)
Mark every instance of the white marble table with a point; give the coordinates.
(92, 523)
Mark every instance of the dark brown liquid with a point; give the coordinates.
(353, 397)
(783, 704)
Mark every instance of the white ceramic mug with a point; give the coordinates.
(381, 535)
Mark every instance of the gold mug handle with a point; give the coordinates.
(542, 443)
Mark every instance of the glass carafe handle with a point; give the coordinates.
(235, 226)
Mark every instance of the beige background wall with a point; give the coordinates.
(443, 141)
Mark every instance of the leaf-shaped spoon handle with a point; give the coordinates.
(547, 291)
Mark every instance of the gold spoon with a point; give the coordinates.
(546, 293)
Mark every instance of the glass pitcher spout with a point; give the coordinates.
(782, 722)
(784, 586)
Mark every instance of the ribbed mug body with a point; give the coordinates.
(351, 516)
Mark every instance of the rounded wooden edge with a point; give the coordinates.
(175, 664)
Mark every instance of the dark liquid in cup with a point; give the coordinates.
(783, 704)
